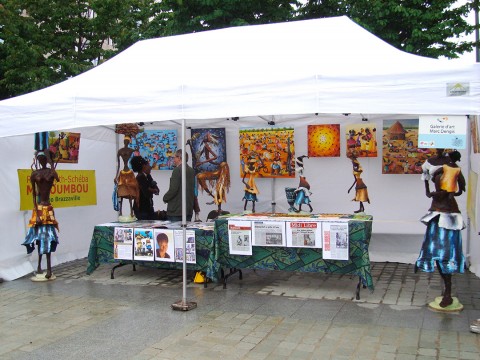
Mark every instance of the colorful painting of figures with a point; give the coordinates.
(65, 146)
(208, 149)
(401, 154)
(157, 146)
(272, 150)
(324, 140)
(362, 138)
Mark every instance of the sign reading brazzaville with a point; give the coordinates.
(76, 188)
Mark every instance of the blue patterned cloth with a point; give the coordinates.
(44, 236)
(442, 246)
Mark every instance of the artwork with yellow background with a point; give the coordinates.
(324, 140)
(362, 138)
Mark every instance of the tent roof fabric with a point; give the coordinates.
(329, 65)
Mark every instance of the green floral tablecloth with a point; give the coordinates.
(303, 259)
(101, 251)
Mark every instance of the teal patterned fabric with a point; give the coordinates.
(303, 259)
(101, 252)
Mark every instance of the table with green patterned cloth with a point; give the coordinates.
(303, 259)
(101, 252)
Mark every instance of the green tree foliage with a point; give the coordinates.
(421, 27)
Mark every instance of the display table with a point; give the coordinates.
(302, 259)
(101, 251)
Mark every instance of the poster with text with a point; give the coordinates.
(362, 138)
(335, 240)
(323, 140)
(190, 250)
(65, 146)
(268, 233)
(143, 244)
(442, 132)
(157, 147)
(401, 154)
(123, 243)
(305, 234)
(240, 237)
(164, 245)
(272, 149)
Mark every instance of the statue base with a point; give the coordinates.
(42, 278)
(126, 219)
(184, 306)
(453, 307)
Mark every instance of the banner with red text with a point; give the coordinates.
(76, 188)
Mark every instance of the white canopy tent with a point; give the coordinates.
(287, 72)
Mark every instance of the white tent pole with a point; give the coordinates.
(184, 212)
(273, 196)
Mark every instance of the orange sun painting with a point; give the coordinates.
(324, 140)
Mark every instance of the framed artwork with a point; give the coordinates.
(324, 140)
(362, 138)
(65, 146)
(272, 150)
(401, 154)
(157, 147)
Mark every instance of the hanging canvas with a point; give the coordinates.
(208, 149)
(272, 150)
(65, 146)
(157, 147)
(401, 154)
(362, 138)
(324, 140)
(475, 134)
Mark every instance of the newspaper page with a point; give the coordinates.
(335, 240)
(189, 246)
(305, 234)
(123, 243)
(240, 237)
(164, 245)
(268, 233)
(143, 244)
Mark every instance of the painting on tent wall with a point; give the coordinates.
(474, 131)
(208, 147)
(157, 147)
(362, 138)
(65, 146)
(272, 150)
(401, 154)
(323, 140)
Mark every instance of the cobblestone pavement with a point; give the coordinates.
(267, 315)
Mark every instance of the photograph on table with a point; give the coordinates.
(143, 244)
(401, 154)
(335, 240)
(65, 146)
(123, 243)
(268, 233)
(272, 149)
(190, 248)
(240, 237)
(362, 138)
(323, 140)
(164, 245)
(304, 234)
(157, 147)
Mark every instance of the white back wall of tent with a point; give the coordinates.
(397, 201)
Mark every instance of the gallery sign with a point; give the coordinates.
(442, 132)
(76, 188)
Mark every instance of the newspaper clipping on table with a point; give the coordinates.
(268, 233)
(123, 243)
(190, 251)
(335, 240)
(304, 234)
(240, 237)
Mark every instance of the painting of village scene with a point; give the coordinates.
(362, 138)
(157, 147)
(65, 146)
(272, 149)
(401, 154)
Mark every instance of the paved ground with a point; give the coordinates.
(267, 315)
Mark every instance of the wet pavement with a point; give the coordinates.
(266, 315)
